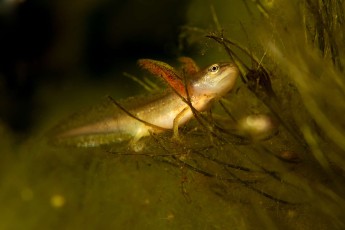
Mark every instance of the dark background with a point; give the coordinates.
(43, 42)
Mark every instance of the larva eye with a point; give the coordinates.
(213, 68)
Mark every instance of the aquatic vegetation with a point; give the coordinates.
(268, 155)
(298, 81)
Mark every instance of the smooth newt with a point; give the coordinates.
(138, 117)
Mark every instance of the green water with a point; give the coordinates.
(293, 179)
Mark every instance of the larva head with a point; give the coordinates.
(216, 80)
